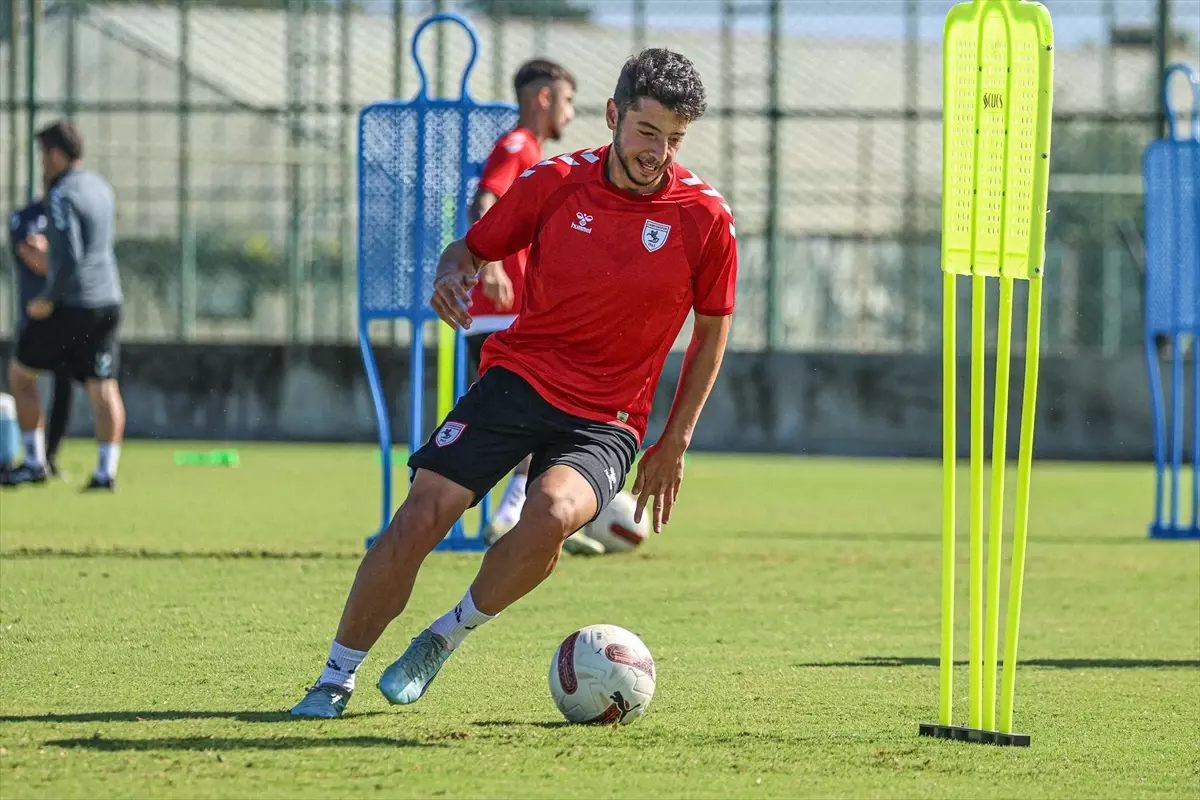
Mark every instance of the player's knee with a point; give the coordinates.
(103, 390)
(556, 512)
(424, 517)
(19, 375)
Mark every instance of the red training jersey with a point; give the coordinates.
(515, 152)
(612, 276)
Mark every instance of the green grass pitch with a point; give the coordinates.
(150, 641)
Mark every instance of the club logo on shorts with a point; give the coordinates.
(654, 234)
(448, 434)
(103, 365)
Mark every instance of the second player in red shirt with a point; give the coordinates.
(545, 96)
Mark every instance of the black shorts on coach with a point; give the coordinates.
(80, 341)
(502, 419)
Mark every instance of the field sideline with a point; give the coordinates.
(150, 641)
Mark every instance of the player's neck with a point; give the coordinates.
(529, 122)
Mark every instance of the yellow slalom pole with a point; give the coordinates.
(975, 650)
(996, 504)
(949, 466)
(1021, 526)
(447, 336)
(445, 370)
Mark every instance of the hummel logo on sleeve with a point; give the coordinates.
(582, 221)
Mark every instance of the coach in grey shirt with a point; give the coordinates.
(73, 323)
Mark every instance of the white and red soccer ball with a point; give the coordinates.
(614, 527)
(602, 674)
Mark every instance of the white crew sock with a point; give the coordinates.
(341, 667)
(35, 447)
(509, 510)
(106, 463)
(455, 624)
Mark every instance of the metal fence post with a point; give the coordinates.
(31, 48)
(397, 50)
(14, 58)
(728, 84)
(639, 25)
(346, 179)
(772, 232)
(295, 22)
(499, 84)
(187, 231)
(70, 77)
(913, 308)
(1161, 46)
(439, 32)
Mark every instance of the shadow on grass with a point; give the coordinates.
(143, 553)
(153, 716)
(1048, 663)
(512, 723)
(219, 743)
(932, 536)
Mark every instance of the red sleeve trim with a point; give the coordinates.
(722, 312)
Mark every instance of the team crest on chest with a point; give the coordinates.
(448, 434)
(654, 234)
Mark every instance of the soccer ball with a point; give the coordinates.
(603, 674)
(614, 527)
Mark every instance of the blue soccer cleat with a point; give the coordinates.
(26, 473)
(323, 701)
(406, 680)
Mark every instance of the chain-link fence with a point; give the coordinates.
(227, 130)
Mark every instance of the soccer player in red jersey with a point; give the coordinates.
(625, 243)
(545, 96)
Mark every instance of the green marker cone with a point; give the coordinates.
(207, 458)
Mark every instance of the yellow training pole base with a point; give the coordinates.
(978, 735)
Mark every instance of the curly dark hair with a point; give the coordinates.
(665, 76)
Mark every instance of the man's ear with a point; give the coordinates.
(610, 114)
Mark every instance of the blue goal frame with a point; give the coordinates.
(1172, 304)
(418, 163)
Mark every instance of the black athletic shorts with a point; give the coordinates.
(475, 352)
(79, 341)
(502, 419)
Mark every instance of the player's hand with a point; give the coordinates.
(452, 294)
(457, 274)
(452, 299)
(660, 473)
(39, 308)
(38, 242)
(496, 285)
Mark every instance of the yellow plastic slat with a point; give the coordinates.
(997, 96)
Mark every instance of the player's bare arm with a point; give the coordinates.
(660, 472)
(492, 277)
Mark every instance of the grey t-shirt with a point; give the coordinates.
(83, 267)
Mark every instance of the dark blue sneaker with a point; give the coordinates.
(26, 473)
(101, 483)
(323, 701)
